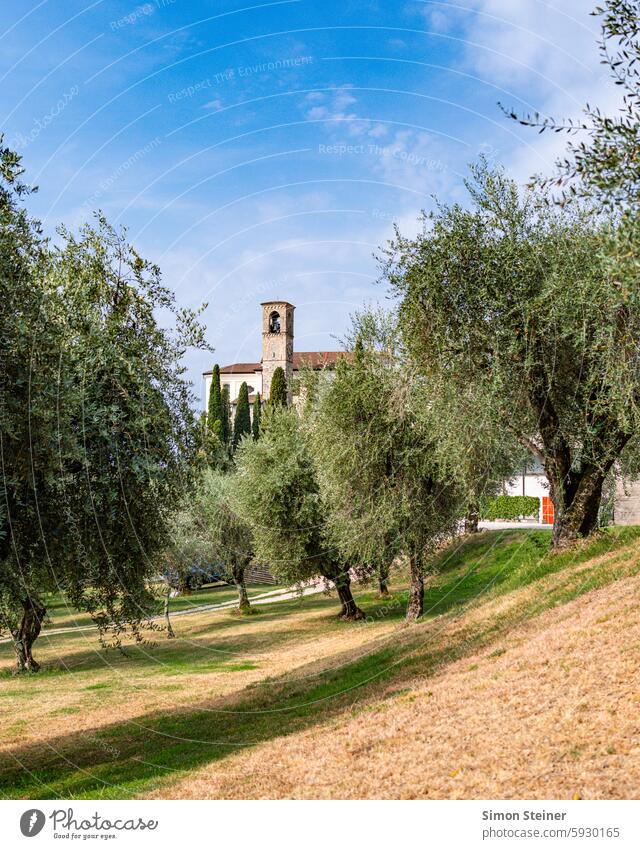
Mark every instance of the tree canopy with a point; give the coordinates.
(279, 497)
(257, 416)
(603, 164)
(278, 393)
(231, 538)
(227, 427)
(522, 300)
(215, 413)
(98, 435)
(380, 466)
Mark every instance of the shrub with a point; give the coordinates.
(511, 507)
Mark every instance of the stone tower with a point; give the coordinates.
(277, 343)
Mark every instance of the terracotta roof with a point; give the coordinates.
(318, 359)
(237, 368)
(314, 359)
(240, 368)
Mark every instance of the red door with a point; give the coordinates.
(547, 510)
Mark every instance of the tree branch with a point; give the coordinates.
(532, 446)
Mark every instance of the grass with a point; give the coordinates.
(61, 614)
(228, 686)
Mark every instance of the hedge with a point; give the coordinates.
(511, 507)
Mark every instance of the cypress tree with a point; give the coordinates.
(242, 422)
(203, 436)
(278, 394)
(226, 417)
(257, 415)
(214, 411)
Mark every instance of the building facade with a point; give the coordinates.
(532, 481)
(277, 351)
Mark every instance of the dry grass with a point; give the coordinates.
(556, 716)
(492, 695)
(216, 656)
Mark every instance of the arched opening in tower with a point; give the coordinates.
(274, 322)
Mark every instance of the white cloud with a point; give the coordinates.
(544, 54)
(510, 39)
(437, 20)
(332, 107)
(410, 160)
(377, 131)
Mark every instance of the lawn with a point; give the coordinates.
(61, 614)
(230, 695)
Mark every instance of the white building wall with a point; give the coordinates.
(627, 496)
(535, 485)
(235, 381)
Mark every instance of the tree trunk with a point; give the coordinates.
(575, 489)
(26, 634)
(415, 605)
(342, 582)
(350, 611)
(576, 508)
(243, 598)
(472, 518)
(170, 631)
(383, 579)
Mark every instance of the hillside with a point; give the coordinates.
(521, 681)
(551, 712)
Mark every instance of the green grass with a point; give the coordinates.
(61, 614)
(125, 759)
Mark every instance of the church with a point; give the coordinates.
(277, 350)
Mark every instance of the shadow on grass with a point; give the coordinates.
(131, 757)
(204, 648)
(80, 651)
(126, 758)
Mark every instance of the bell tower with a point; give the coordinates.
(277, 343)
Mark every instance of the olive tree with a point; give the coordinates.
(278, 496)
(602, 161)
(525, 302)
(379, 463)
(188, 551)
(482, 454)
(97, 432)
(31, 338)
(229, 537)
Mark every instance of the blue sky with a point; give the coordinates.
(265, 150)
